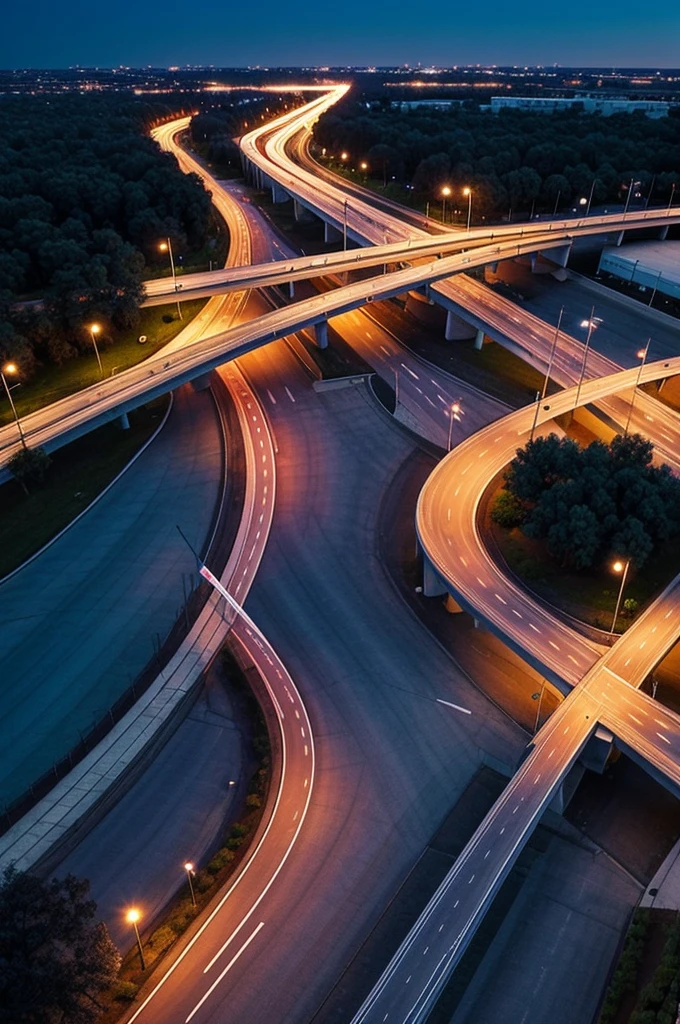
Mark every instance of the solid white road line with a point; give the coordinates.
(466, 711)
(231, 963)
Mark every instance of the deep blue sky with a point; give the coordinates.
(62, 33)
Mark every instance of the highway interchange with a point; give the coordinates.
(595, 704)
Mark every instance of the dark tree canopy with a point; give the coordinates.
(54, 960)
(589, 503)
(85, 196)
(515, 158)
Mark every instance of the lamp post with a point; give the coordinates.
(670, 201)
(656, 287)
(132, 917)
(468, 192)
(539, 698)
(446, 191)
(344, 224)
(453, 414)
(591, 324)
(189, 868)
(94, 330)
(11, 368)
(166, 246)
(363, 166)
(642, 355)
(619, 566)
(590, 197)
(630, 192)
(557, 202)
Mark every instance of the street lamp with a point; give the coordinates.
(167, 247)
(11, 369)
(132, 917)
(453, 415)
(591, 325)
(670, 201)
(539, 698)
(630, 192)
(363, 166)
(344, 156)
(446, 191)
(468, 192)
(344, 225)
(642, 355)
(622, 567)
(590, 197)
(189, 868)
(94, 330)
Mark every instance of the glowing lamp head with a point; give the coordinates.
(10, 368)
(363, 165)
(344, 156)
(188, 866)
(467, 191)
(446, 191)
(617, 566)
(455, 407)
(132, 916)
(95, 328)
(163, 246)
(642, 353)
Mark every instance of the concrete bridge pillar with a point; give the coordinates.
(432, 584)
(279, 194)
(456, 328)
(123, 421)
(479, 339)
(291, 289)
(321, 333)
(619, 238)
(201, 383)
(331, 233)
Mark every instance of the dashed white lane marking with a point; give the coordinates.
(664, 738)
(289, 394)
(271, 397)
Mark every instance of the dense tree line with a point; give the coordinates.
(85, 197)
(515, 159)
(55, 960)
(214, 132)
(589, 503)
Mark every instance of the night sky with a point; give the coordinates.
(64, 33)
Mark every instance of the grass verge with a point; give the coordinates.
(160, 324)
(77, 474)
(211, 878)
(645, 985)
(588, 596)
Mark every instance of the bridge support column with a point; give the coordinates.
(279, 194)
(321, 333)
(201, 383)
(479, 340)
(291, 289)
(456, 328)
(619, 238)
(330, 233)
(123, 421)
(663, 232)
(432, 584)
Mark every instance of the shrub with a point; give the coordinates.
(508, 511)
(125, 991)
(162, 938)
(253, 801)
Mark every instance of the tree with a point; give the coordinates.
(589, 503)
(29, 465)
(54, 960)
